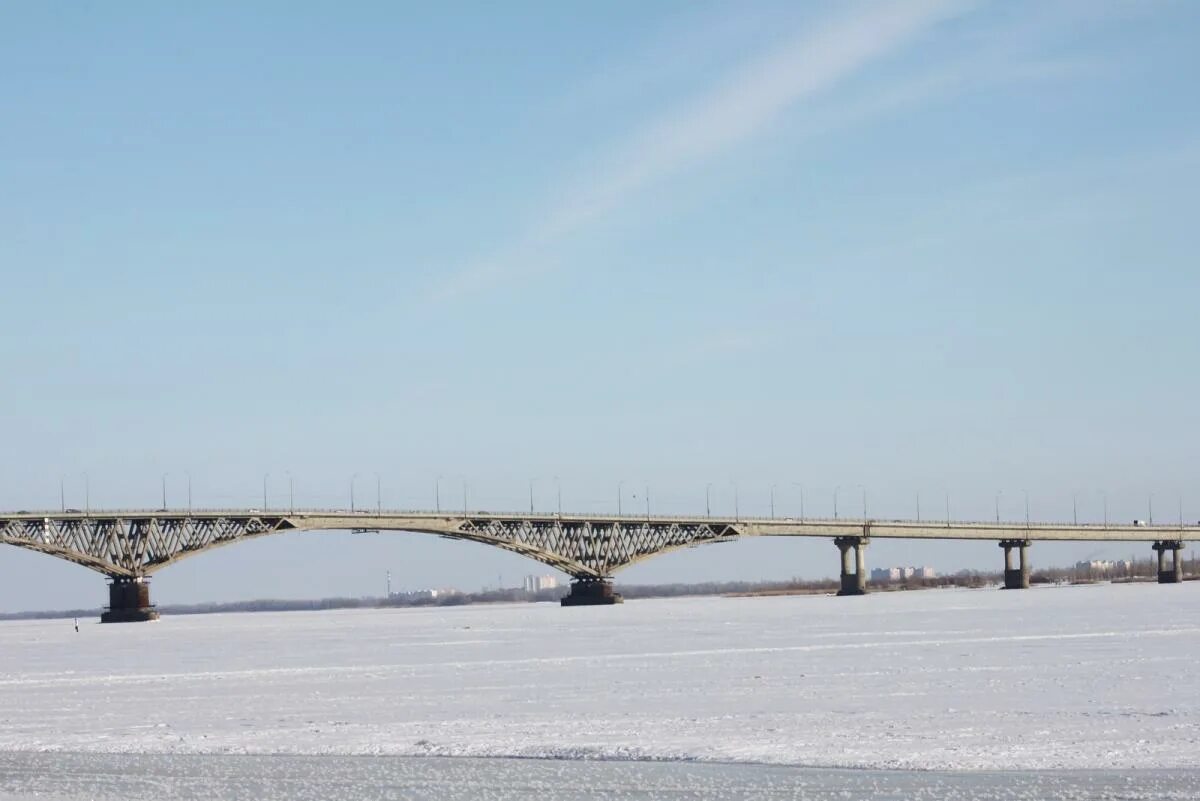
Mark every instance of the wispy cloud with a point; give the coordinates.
(744, 103)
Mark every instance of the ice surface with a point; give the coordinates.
(154, 777)
(1090, 677)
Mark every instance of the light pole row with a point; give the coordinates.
(620, 498)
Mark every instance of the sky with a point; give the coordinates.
(934, 249)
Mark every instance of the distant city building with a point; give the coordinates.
(885, 574)
(539, 583)
(1101, 566)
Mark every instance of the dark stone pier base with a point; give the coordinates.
(129, 601)
(1015, 578)
(1174, 573)
(853, 583)
(591, 592)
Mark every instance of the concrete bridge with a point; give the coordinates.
(130, 546)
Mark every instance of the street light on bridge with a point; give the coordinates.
(620, 484)
(353, 478)
(708, 499)
(801, 486)
(164, 490)
(835, 494)
(998, 494)
(265, 475)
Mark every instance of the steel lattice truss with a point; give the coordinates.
(140, 544)
(131, 546)
(592, 548)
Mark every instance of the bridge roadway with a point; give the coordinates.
(130, 546)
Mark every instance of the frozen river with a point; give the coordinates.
(1097, 678)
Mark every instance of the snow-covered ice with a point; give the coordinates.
(1095, 677)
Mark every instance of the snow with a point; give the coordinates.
(1089, 677)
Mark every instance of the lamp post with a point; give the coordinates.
(353, 478)
(1150, 507)
(1026, 507)
(291, 493)
(265, 475)
(62, 494)
(708, 499)
(189, 483)
(558, 494)
(835, 494)
(801, 486)
(464, 481)
(379, 495)
(998, 494)
(437, 494)
(772, 501)
(864, 489)
(164, 491)
(87, 495)
(531, 495)
(737, 515)
(918, 506)
(1104, 496)
(647, 501)
(1075, 507)
(620, 484)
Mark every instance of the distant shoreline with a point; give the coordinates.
(1142, 572)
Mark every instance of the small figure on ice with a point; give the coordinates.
(76, 625)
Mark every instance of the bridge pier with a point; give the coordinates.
(853, 583)
(1015, 578)
(1174, 573)
(591, 591)
(129, 601)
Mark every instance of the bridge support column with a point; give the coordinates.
(129, 601)
(1174, 573)
(1015, 578)
(853, 583)
(591, 591)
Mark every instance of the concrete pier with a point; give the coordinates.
(853, 583)
(1015, 578)
(129, 601)
(591, 592)
(1174, 573)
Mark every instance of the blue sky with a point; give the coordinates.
(925, 246)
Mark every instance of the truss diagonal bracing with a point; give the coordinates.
(132, 546)
(138, 544)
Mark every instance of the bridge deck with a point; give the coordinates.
(451, 522)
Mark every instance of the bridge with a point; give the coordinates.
(130, 546)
